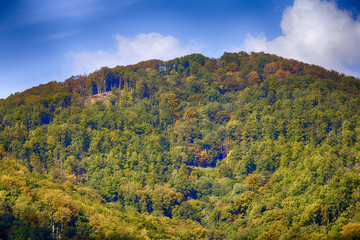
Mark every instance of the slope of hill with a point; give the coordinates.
(248, 146)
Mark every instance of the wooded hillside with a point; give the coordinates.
(248, 146)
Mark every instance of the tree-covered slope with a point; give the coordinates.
(248, 146)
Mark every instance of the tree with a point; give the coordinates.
(351, 231)
(253, 78)
(190, 113)
(233, 67)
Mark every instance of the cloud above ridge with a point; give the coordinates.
(316, 32)
(133, 50)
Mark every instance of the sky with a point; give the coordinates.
(52, 40)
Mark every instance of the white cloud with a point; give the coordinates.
(130, 51)
(316, 32)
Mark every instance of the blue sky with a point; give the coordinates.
(42, 41)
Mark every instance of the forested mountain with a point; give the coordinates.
(248, 146)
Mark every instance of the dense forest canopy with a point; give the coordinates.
(247, 146)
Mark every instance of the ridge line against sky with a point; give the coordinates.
(41, 42)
